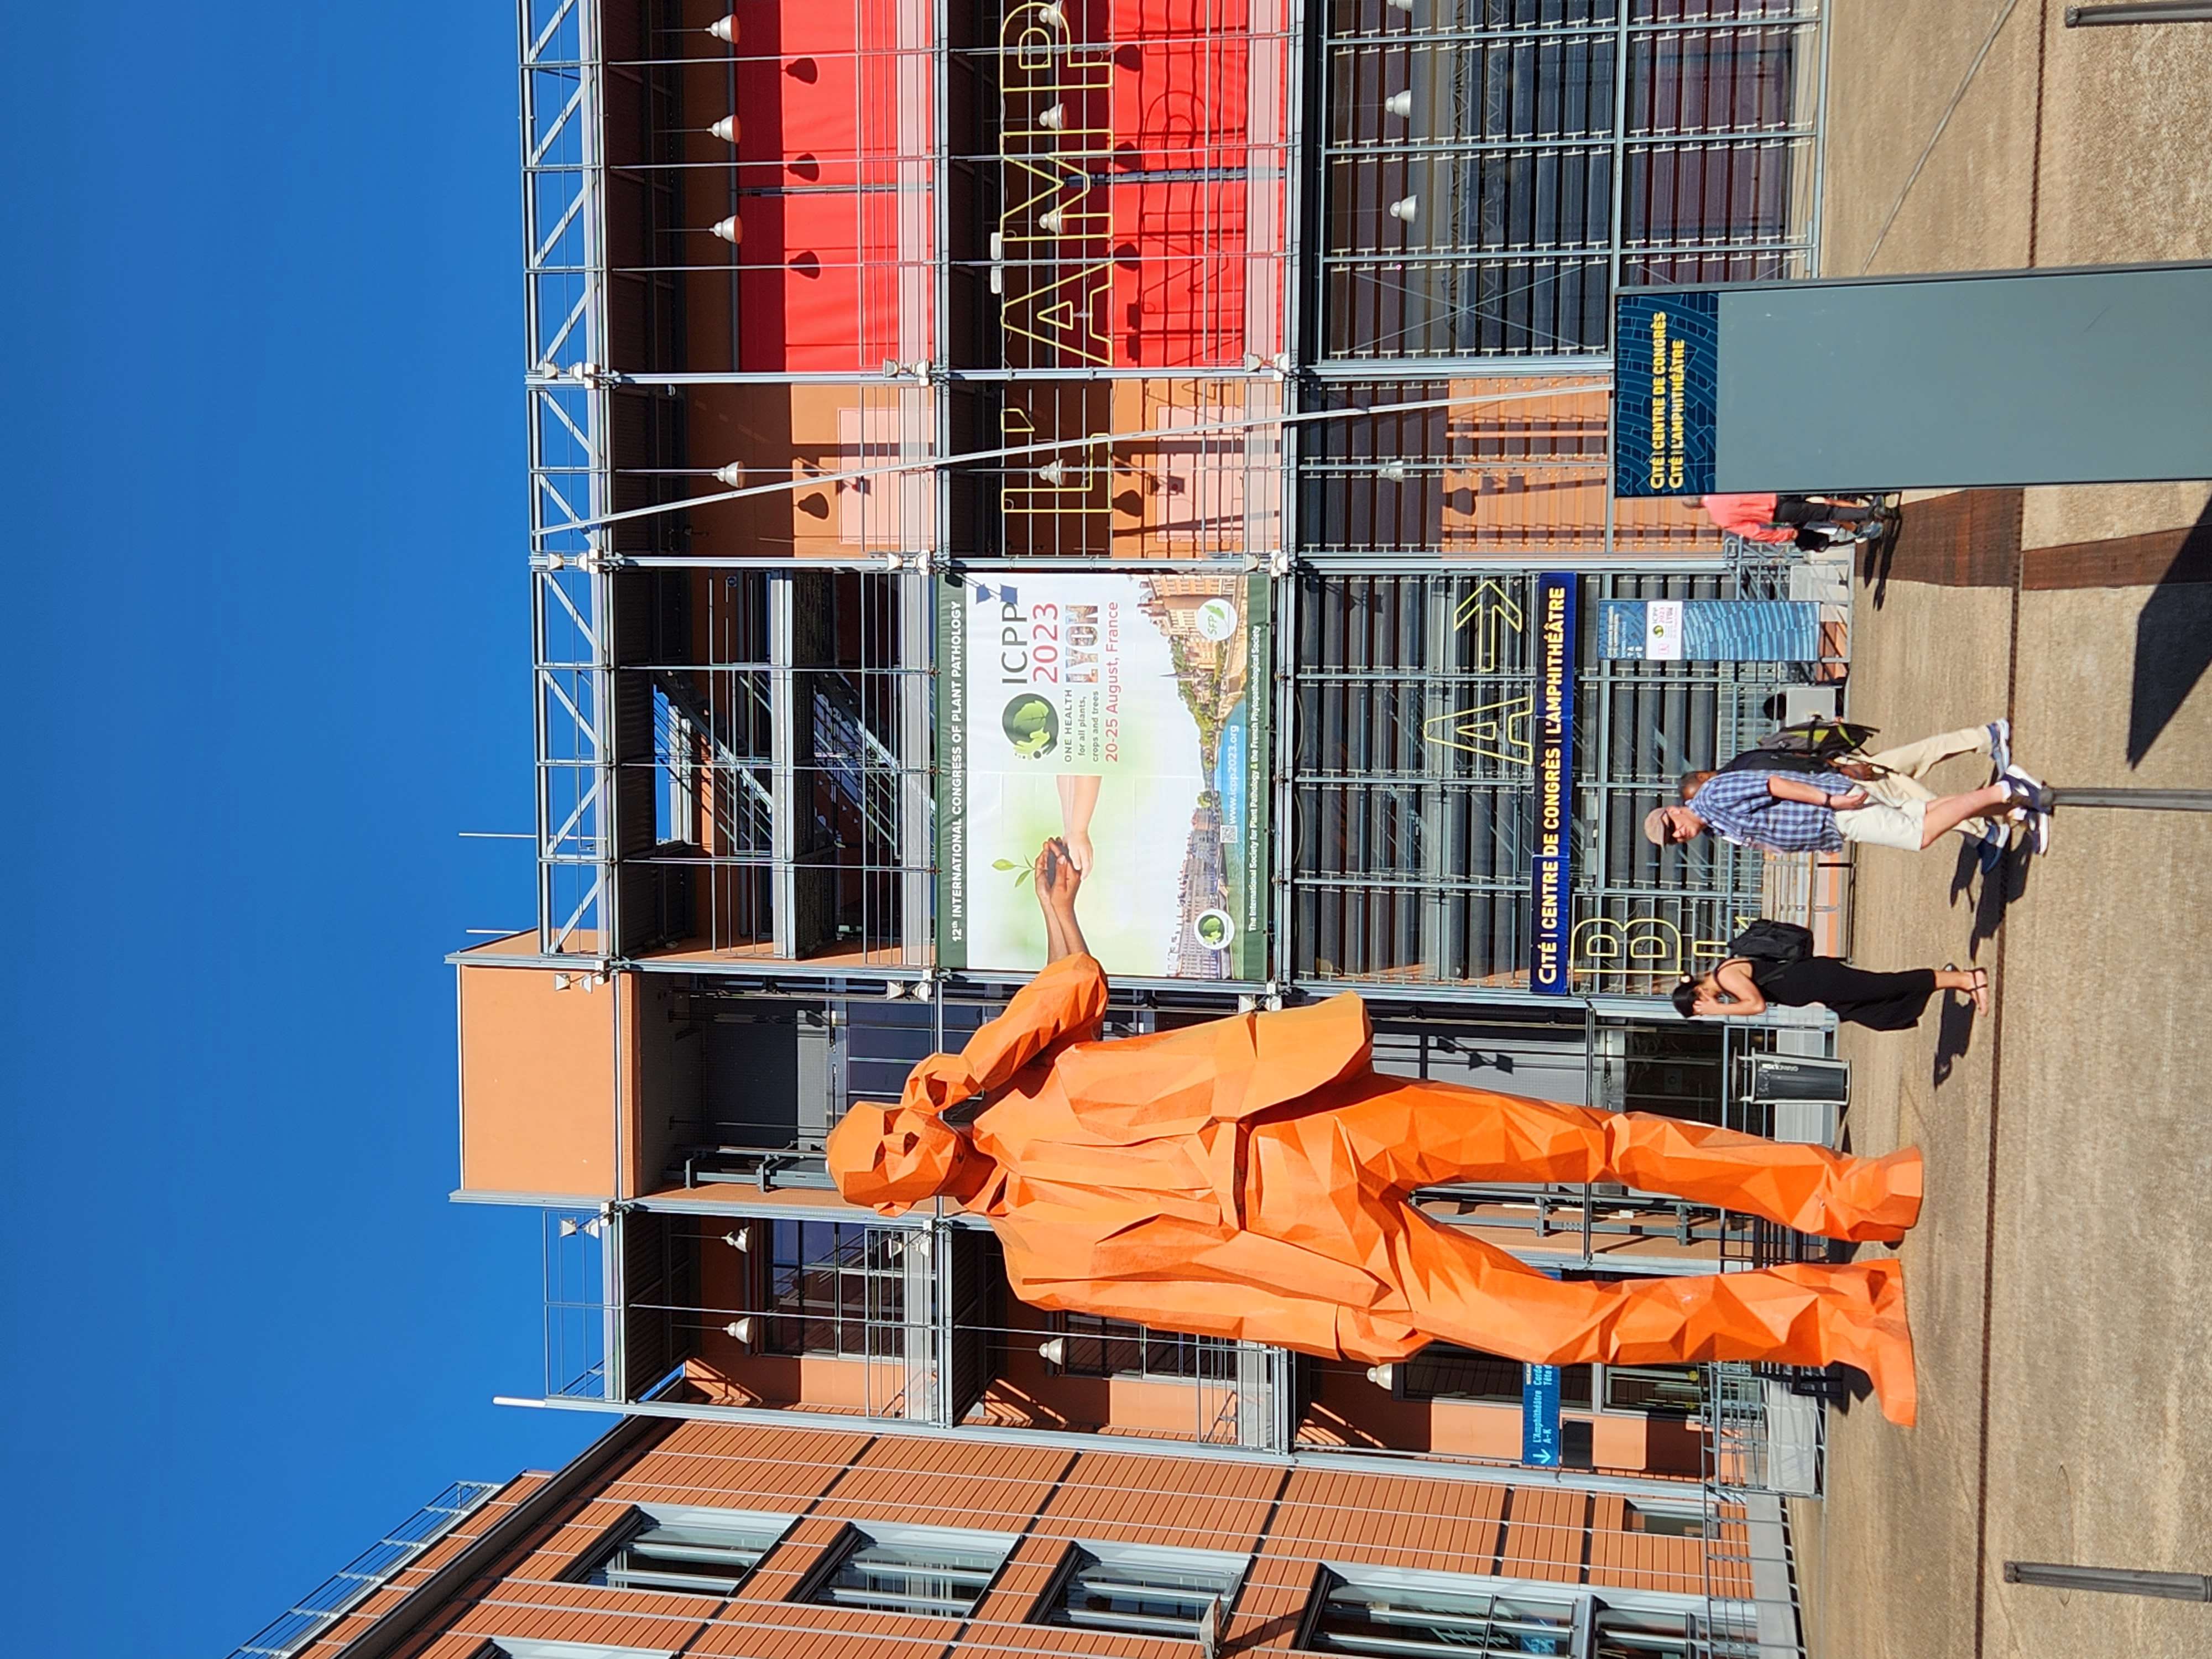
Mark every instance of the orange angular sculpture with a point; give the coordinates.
(1251, 1177)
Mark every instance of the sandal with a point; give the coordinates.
(1978, 991)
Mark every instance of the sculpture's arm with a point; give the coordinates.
(1067, 1000)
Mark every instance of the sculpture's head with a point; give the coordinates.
(889, 1158)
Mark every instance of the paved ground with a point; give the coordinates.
(2059, 1282)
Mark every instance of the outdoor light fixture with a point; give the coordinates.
(727, 128)
(1053, 220)
(742, 1330)
(1055, 118)
(733, 475)
(1405, 210)
(1054, 473)
(726, 28)
(1381, 1376)
(893, 990)
(740, 1238)
(1399, 103)
(570, 1226)
(733, 233)
(1053, 1352)
(1050, 13)
(1395, 471)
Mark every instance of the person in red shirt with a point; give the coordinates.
(1810, 521)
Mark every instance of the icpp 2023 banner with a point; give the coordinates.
(1126, 715)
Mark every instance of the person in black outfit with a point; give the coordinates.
(1743, 986)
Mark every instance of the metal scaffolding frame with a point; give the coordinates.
(565, 323)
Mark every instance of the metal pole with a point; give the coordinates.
(2141, 800)
(2112, 1581)
(2144, 11)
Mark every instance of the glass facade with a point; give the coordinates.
(1493, 169)
(1413, 786)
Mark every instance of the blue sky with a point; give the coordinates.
(269, 613)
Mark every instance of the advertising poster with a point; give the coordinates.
(1126, 715)
(1709, 630)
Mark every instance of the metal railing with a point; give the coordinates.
(306, 1620)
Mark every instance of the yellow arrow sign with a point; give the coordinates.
(1490, 609)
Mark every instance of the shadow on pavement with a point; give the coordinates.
(1875, 560)
(1954, 1035)
(2173, 640)
(1999, 891)
(1993, 892)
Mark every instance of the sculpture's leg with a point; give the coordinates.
(1461, 1290)
(1408, 1133)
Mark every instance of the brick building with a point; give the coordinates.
(670, 1538)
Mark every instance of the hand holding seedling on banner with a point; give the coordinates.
(1058, 881)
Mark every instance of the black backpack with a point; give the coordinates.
(1824, 741)
(1768, 941)
(1808, 746)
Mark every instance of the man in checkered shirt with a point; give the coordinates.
(1819, 811)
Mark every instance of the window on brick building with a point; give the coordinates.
(931, 1571)
(702, 1551)
(1091, 1346)
(1146, 1590)
(1391, 1613)
(1396, 1613)
(836, 1288)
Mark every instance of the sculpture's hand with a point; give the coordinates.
(1057, 877)
(1057, 881)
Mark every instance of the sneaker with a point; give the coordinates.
(2000, 748)
(2027, 790)
(2032, 808)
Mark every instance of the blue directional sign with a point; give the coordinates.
(1540, 1415)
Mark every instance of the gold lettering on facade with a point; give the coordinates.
(1496, 731)
(1055, 227)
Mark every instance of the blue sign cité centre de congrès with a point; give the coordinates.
(1552, 751)
(1665, 393)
